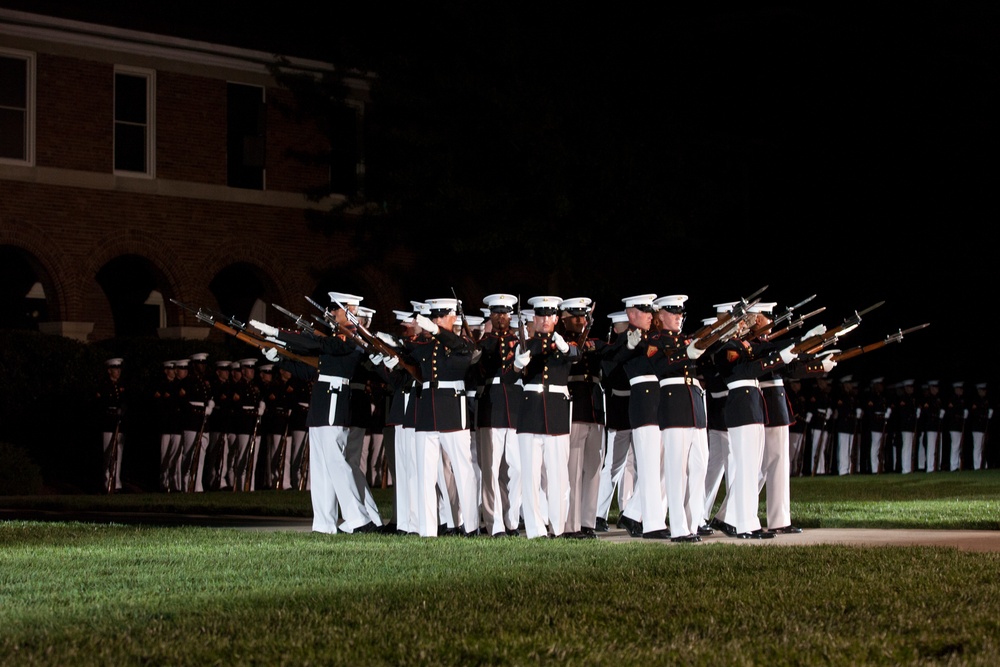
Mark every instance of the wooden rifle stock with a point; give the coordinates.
(815, 343)
(794, 324)
(380, 345)
(862, 349)
(461, 314)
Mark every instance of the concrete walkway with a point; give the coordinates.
(968, 540)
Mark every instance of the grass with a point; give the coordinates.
(74, 593)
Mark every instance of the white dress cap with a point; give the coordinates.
(500, 301)
(346, 299)
(640, 301)
(763, 307)
(618, 316)
(440, 307)
(724, 307)
(545, 305)
(576, 303)
(671, 301)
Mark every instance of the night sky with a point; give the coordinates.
(850, 154)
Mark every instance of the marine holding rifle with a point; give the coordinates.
(332, 483)
(111, 408)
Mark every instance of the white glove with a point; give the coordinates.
(560, 342)
(858, 412)
(425, 323)
(387, 339)
(918, 413)
(271, 354)
(965, 413)
(694, 352)
(209, 407)
(829, 412)
(828, 364)
(817, 330)
(888, 412)
(633, 336)
(265, 329)
(809, 417)
(260, 408)
(990, 414)
(390, 361)
(521, 359)
(787, 355)
(941, 413)
(376, 359)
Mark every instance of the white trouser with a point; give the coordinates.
(795, 441)
(244, 461)
(297, 461)
(193, 461)
(355, 445)
(906, 452)
(332, 484)
(617, 471)
(697, 474)
(955, 458)
(550, 452)
(677, 444)
(775, 473)
(456, 446)
(746, 443)
(819, 441)
(585, 457)
(844, 442)
(933, 437)
(170, 451)
(876, 448)
(650, 498)
(493, 445)
(977, 450)
(114, 484)
(406, 481)
(718, 462)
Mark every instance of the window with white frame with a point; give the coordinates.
(17, 107)
(134, 120)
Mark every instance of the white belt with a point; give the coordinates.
(457, 385)
(304, 405)
(495, 380)
(583, 378)
(719, 394)
(197, 404)
(639, 379)
(624, 393)
(680, 380)
(334, 380)
(742, 383)
(772, 383)
(249, 408)
(553, 388)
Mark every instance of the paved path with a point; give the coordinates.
(969, 540)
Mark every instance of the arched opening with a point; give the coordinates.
(130, 284)
(23, 296)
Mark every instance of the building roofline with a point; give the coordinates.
(94, 35)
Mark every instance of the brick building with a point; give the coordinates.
(136, 168)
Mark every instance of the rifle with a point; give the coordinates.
(237, 329)
(862, 349)
(757, 331)
(195, 455)
(737, 312)
(251, 459)
(282, 454)
(461, 313)
(380, 345)
(304, 464)
(522, 339)
(113, 461)
(352, 334)
(302, 323)
(794, 324)
(586, 329)
(720, 335)
(816, 343)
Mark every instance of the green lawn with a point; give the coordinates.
(85, 594)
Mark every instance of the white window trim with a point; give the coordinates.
(150, 76)
(29, 120)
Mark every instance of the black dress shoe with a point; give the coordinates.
(786, 530)
(633, 527)
(755, 535)
(686, 538)
(369, 527)
(705, 531)
(588, 532)
(601, 525)
(726, 528)
(513, 532)
(662, 534)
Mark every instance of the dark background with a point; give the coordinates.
(847, 151)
